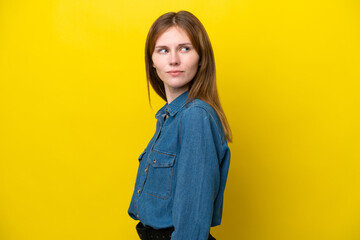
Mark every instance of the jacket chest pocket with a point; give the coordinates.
(161, 172)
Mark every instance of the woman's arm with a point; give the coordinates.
(198, 175)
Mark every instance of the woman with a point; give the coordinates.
(182, 172)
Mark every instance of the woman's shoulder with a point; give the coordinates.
(201, 107)
(198, 109)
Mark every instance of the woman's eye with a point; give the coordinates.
(185, 49)
(162, 51)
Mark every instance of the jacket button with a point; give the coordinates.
(138, 191)
(146, 169)
(154, 161)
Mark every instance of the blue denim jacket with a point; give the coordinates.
(182, 172)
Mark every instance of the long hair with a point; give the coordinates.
(203, 86)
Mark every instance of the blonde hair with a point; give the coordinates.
(203, 86)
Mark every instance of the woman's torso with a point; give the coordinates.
(188, 150)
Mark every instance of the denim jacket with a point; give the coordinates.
(182, 171)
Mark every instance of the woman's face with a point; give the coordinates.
(175, 60)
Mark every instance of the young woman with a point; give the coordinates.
(183, 170)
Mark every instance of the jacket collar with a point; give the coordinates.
(174, 106)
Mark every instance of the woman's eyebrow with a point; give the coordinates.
(180, 44)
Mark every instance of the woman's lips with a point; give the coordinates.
(175, 73)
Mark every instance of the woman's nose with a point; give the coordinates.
(174, 59)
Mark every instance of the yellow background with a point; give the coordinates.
(74, 116)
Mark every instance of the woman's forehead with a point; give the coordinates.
(173, 35)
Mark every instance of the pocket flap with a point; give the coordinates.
(159, 159)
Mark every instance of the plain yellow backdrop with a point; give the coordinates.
(74, 116)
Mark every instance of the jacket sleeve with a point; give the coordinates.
(198, 176)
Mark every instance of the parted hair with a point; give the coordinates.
(203, 85)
